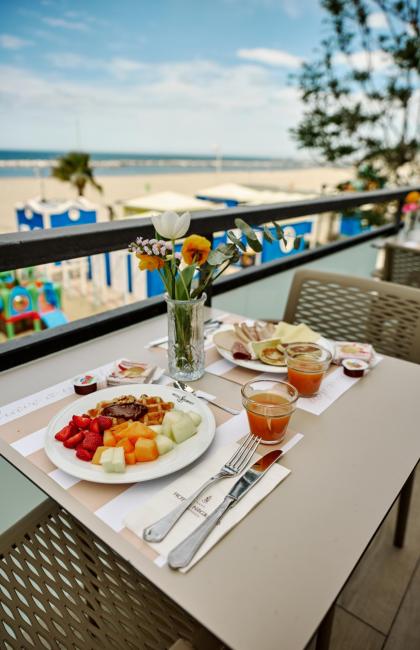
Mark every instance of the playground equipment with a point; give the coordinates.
(25, 301)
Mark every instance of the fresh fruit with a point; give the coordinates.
(169, 420)
(83, 454)
(64, 433)
(81, 421)
(120, 427)
(94, 426)
(104, 422)
(106, 459)
(74, 440)
(113, 460)
(195, 417)
(146, 450)
(130, 458)
(164, 444)
(140, 430)
(96, 460)
(157, 428)
(183, 428)
(126, 444)
(109, 439)
(92, 441)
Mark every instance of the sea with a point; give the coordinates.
(36, 164)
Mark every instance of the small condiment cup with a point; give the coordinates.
(307, 364)
(269, 406)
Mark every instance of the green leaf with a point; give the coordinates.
(234, 239)
(246, 229)
(255, 244)
(217, 257)
(188, 274)
(268, 236)
(279, 232)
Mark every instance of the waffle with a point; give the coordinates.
(156, 409)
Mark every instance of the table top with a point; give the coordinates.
(275, 575)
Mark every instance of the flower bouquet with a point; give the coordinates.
(187, 274)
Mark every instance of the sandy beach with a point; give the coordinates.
(120, 188)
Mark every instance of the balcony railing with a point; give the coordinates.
(22, 249)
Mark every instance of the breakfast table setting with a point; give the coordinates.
(241, 465)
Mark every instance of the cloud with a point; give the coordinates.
(66, 60)
(117, 67)
(122, 68)
(377, 59)
(10, 42)
(272, 57)
(377, 20)
(65, 24)
(186, 106)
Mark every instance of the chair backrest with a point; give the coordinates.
(402, 264)
(349, 308)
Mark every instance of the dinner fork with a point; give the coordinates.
(189, 389)
(238, 461)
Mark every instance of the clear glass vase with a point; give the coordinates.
(186, 338)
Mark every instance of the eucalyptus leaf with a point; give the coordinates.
(233, 238)
(268, 235)
(246, 229)
(255, 244)
(279, 232)
(217, 257)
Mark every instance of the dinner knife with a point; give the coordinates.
(182, 554)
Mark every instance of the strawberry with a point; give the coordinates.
(81, 421)
(104, 422)
(94, 426)
(74, 440)
(83, 454)
(64, 433)
(92, 441)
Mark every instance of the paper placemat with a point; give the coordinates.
(22, 427)
(181, 488)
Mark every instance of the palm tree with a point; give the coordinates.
(76, 169)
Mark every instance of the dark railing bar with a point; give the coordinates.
(34, 346)
(21, 249)
(25, 349)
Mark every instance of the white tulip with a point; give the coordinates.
(171, 225)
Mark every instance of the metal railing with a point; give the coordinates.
(22, 249)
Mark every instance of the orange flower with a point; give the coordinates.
(412, 197)
(149, 262)
(196, 250)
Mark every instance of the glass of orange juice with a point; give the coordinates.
(307, 364)
(269, 406)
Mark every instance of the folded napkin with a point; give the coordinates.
(185, 485)
(295, 333)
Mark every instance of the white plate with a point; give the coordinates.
(259, 366)
(182, 455)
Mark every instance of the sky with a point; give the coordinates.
(154, 76)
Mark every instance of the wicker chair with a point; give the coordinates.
(61, 587)
(358, 309)
(402, 264)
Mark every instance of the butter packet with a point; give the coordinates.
(132, 372)
(352, 350)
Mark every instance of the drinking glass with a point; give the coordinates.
(269, 406)
(307, 364)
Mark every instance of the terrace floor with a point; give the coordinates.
(379, 609)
